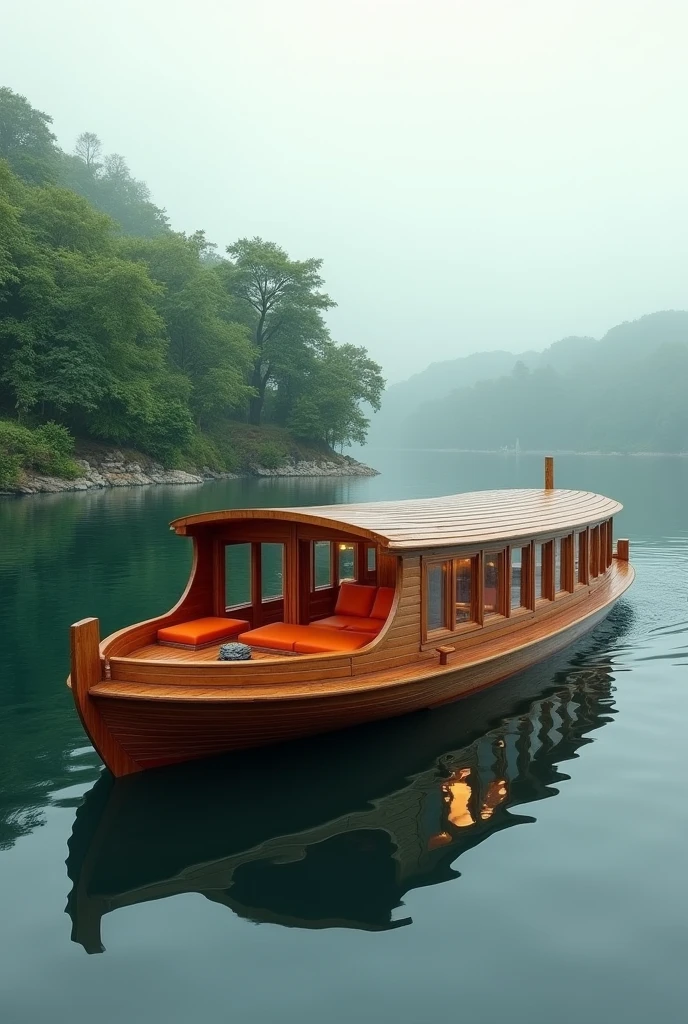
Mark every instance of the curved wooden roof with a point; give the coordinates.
(476, 517)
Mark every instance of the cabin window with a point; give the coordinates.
(582, 557)
(602, 564)
(520, 571)
(371, 559)
(465, 576)
(594, 552)
(237, 575)
(493, 582)
(347, 562)
(437, 605)
(271, 571)
(558, 565)
(322, 564)
(539, 570)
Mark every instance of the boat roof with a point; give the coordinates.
(475, 517)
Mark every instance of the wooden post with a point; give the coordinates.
(622, 550)
(444, 653)
(549, 473)
(86, 671)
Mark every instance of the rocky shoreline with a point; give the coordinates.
(115, 470)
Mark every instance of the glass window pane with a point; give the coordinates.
(322, 564)
(519, 580)
(371, 559)
(347, 562)
(581, 555)
(492, 583)
(538, 572)
(436, 611)
(557, 566)
(237, 575)
(271, 570)
(463, 568)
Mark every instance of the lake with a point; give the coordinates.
(519, 856)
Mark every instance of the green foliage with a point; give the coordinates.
(47, 449)
(26, 141)
(115, 328)
(270, 454)
(280, 301)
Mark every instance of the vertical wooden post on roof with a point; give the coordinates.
(549, 473)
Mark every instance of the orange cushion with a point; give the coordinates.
(278, 636)
(382, 605)
(355, 599)
(325, 641)
(355, 622)
(201, 631)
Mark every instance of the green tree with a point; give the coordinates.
(329, 407)
(279, 299)
(26, 141)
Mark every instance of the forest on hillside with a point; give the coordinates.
(623, 393)
(114, 327)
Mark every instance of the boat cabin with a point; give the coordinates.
(325, 580)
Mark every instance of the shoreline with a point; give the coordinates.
(115, 470)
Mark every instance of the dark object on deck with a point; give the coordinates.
(234, 652)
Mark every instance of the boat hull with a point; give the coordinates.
(157, 732)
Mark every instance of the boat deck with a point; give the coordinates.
(160, 652)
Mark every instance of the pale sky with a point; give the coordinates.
(476, 175)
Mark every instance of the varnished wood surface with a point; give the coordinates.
(158, 724)
(477, 517)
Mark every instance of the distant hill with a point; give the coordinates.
(624, 392)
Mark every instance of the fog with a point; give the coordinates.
(475, 175)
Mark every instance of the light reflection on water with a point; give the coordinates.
(382, 866)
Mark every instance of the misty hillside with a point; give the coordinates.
(624, 392)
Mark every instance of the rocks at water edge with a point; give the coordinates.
(114, 470)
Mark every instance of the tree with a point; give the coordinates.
(89, 149)
(328, 408)
(26, 141)
(280, 301)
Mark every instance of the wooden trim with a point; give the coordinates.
(623, 549)
(548, 570)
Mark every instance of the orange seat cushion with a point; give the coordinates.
(354, 622)
(355, 599)
(277, 636)
(327, 641)
(201, 631)
(382, 605)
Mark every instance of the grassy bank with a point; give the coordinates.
(50, 450)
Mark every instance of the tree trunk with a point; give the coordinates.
(255, 405)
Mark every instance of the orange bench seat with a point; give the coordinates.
(298, 639)
(201, 632)
(350, 622)
(358, 608)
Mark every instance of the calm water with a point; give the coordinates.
(382, 874)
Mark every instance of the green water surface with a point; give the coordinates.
(380, 874)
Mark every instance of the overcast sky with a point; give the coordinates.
(476, 174)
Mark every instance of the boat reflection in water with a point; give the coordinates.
(334, 832)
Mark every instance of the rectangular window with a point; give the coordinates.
(582, 557)
(347, 562)
(237, 575)
(437, 606)
(465, 586)
(558, 565)
(271, 571)
(371, 559)
(322, 564)
(520, 562)
(493, 583)
(594, 552)
(539, 572)
(610, 542)
(602, 563)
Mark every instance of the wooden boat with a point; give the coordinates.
(379, 609)
(418, 792)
